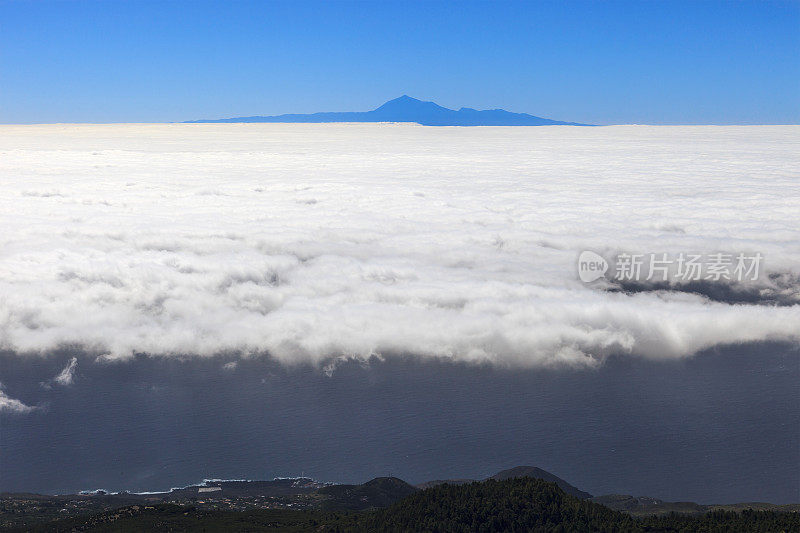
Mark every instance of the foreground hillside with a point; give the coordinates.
(517, 471)
(527, 504)
(514, 504)
(380, 492)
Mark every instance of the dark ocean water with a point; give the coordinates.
(721, 427)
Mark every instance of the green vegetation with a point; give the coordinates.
(515, 504)
(380, 492)
(725, 521)
(527, 504)
(175, 518)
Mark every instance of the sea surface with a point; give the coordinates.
(720, 427)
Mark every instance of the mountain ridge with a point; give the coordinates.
(512, 504)
(538, 473)
(406, 109)
(517, 471)
(318, 499)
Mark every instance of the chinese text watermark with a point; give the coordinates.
(680, 267)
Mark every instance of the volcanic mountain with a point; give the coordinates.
(407, 109)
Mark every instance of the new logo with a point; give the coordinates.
(591, 266)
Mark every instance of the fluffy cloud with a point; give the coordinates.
(12, 405)
(311, 242)
(66, 376)
(63, 378)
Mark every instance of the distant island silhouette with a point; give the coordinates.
(407, 109)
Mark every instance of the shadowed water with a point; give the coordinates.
(721, 427)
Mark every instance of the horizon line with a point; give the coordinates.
(230, 121)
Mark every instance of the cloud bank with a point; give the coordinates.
(65, 378)
(13, 406)
(312, 242)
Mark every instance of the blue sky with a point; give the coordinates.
(598, 62)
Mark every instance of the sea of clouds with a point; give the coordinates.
(309, 243)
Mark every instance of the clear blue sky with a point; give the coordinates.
(599, 62)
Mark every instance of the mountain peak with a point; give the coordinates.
(538, 473)
(407, 104)
(405, 99)
(408, 109)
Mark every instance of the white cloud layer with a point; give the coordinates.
(67, 376)
(316, 241)
(12, 405)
